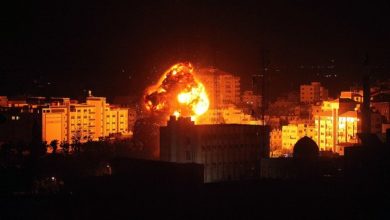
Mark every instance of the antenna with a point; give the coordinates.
(264, 100)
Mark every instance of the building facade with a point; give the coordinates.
(61, 119)
(291, 133)
(82, 122)
(227, 151)
(223, 88)
(227, 115)
(313, 92)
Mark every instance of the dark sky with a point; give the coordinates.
(119, 48)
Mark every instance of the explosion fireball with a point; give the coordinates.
(178, 93)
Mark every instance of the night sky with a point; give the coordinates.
(64, 49)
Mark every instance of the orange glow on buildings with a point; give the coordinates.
(335, 124)
(70, 122)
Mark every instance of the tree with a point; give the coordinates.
(54, 144)
(76, 138)
(65, 147)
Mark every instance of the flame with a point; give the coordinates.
(178, 93)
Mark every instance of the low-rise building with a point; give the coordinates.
(227, 151)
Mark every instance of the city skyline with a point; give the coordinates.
(194, 109)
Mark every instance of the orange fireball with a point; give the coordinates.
(178, 93)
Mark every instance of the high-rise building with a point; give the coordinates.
(227, 151)
(313, 92)
(223, 88)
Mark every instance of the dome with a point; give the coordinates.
(305, 148)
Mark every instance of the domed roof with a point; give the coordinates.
(305, 148)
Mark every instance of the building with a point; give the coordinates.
(3, 101)
(251, 102)
(223, 88)
(275, 142)
(336, 124)
(131, 103)
(82, 122)
(355, 95)
(19, 125)
(227, 115)
(62, 119)
(381, 103)
(291, 133)
(305, 164)
(313, 92)
(227, 151)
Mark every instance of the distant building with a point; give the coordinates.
(19, 124)
(356, 95)
(381, 103)
(223, 88)
(3, 101)
(227, 151)
(305, 163)
(275, 140)
(251, 102)
(336, 122)
(291, 133)
(227, 115)
(312, 93)
(82, 122)
(131, 103)
(62, 119)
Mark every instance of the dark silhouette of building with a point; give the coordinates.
(306, 163)
(305, 148)
(227, 151)
(17, 124)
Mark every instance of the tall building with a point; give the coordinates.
(223, 88)
(227, 151)
(336, 124)
(313, 92)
